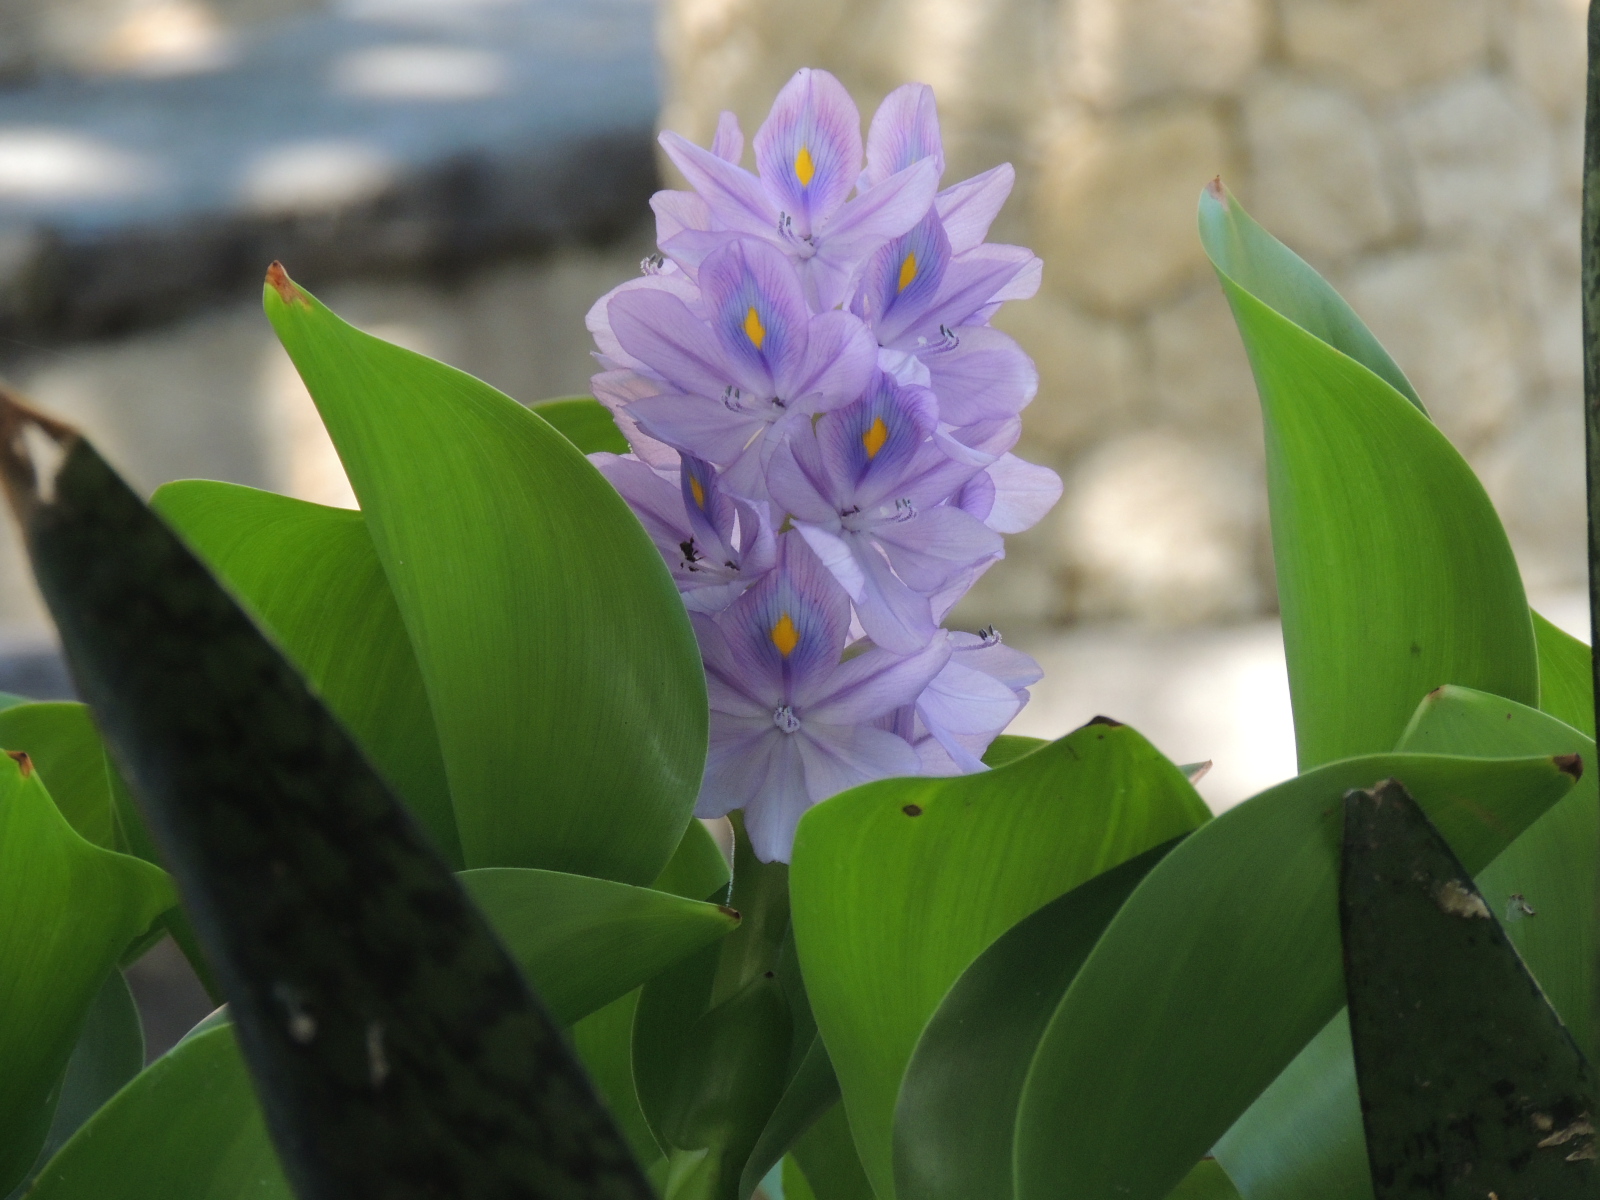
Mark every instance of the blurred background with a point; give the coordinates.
(466, 176)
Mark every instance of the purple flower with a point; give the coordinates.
(732, 361)
(792, 721)
(865, 487)
(808, 158)
(715, 544)
(971, 700)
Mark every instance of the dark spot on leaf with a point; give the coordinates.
(770, 975)
(912, 810)
(1416, 650)
(1569, 764)
(24, 763)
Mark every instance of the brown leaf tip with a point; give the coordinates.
(1570, 764)
(278, 280)
(731, 913)
(1215, 190)
(24, 763)
(1103, 720)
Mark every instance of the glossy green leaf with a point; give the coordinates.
(70, 909)
(1219, 969)
(565, 682)
(604, 1041)
(1009, 747)
(955, 1121)
(109, 1052)
(65, 747)
(584, 422)
(827, 1161)
(188, 1128)
(1470, 1084)
(1566, 680)
(585, 942)
(697, 869)
(1208, 1181)
(812, 1091)
(310, 577)
(1394, 573)
(1302, 1139)
(395, 1046)
(898, 885)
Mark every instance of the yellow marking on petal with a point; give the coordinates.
(753, 328)
(908, 271)
(785, 636)
(875, 436)
(697, 489)
(804, 168)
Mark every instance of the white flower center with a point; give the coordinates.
(783, 717)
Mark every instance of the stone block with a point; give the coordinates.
(1481, 155)
(1444, 316)
(1200, 379)
(1089, 373)
(1544, 46)
(1114, 209)
(1113, 52)
(1318, 178)
(1535, 478)
(1165, 527)
(1387, 45)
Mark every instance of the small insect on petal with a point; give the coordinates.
(785, 636)
(875, 436)
(908, 271)
(804, 168)
(753, 328)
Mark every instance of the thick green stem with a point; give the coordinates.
(1590, 279)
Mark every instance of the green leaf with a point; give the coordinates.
(585, 942)
(828, 1162)
(1566, 679)
(812, 1091)
(1219, 969)
(1208, 1181)
(955, 1121)
(8, 699)
(899, 885)
(309, 576)
(1470, 1084)
(1009, 747)
(188, 1128)
(1394, 574)
(65, 747)
(604, 1041)
(395, 1045)
(71, 908)
(584, 422)
(109, 1052)
(564, 679)
(697, 869)
(1302, 1138)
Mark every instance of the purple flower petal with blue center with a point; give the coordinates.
(904, 131)
(790, 723)
(808, 151)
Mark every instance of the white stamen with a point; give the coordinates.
(783, 717)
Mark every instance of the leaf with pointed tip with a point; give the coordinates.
(1208, 1181)
(955, 1121)
(1394, 573)
(584, 422)
(310, 577)
(395, 1045)
(1470, 1084)
(565, 681)
(899, 885)
(71, 908)
(1219, 969)
(1008, 747)
(65, 747)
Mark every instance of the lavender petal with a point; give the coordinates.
(808, 151)
(904, 130)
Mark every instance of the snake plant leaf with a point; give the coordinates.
(1566, 680)
(60, 737)
(1221, 966)
(109, 1052)
(1470, 1084)
(898, 885)
(955, 1122)
(395, 1045)
(309, 576)
(564, 679)
(1302, 1138)
(584, 422)
(71, 909)
(187, 1128)
(1394, 573)
(585, 942)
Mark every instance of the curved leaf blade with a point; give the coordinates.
(1566, 681)
(60, 737)
(898, 885)
(564, 679)
(584, 422)
(310, 577)
(1220, 968)
(1394, 573)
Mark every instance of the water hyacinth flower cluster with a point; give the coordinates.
(821, 420)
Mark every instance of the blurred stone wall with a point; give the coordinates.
(1424, 154)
